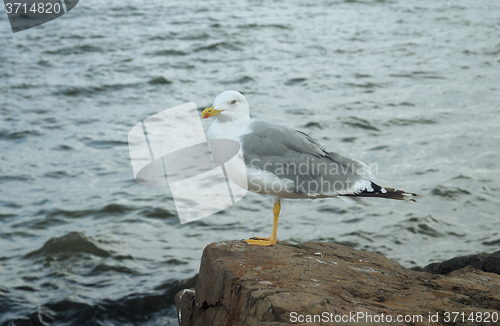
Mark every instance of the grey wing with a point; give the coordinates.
(293, 155)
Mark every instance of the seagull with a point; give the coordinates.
(286, 163)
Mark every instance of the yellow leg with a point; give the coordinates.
(271, 241)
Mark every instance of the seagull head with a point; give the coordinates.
(228, 106)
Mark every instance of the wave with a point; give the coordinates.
(160, 81)
(359, 123)
(242, 80)
(426, 226)
(68, 245)
(20, 178)
(17, 135)
(449, 192)
(145, 308)
(169, 53)
(78, 49)
(73, 91)
(218, 46)
(110, 209)
(410, 122)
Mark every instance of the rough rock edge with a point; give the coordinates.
(250, 285)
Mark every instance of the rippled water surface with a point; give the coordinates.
(409, 85)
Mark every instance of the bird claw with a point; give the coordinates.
(262, 241)
(259, 238)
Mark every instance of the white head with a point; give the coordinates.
(228, 106)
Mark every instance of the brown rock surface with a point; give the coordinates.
(241, 285)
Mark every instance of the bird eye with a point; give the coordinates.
(233, 102)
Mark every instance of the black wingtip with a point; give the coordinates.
(389, 193)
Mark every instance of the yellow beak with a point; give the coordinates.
(210, 112)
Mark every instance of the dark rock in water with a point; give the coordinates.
(485, 262)
(325, 284)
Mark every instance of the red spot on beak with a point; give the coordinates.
(206, 116)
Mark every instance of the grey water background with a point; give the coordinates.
(412, 86)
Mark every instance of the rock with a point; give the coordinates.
(184, 301)
(328, 284)
(486, 262)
